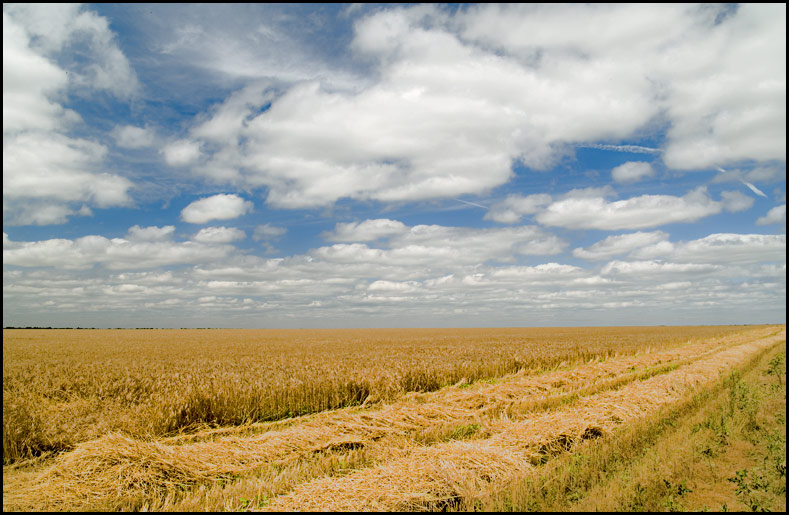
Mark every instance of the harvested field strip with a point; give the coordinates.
(596, 474)
(114, 469)
(518, 392)
(64, 387)
(428, 478)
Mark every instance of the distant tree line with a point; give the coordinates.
(49, 327)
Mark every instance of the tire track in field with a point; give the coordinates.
(440, 476)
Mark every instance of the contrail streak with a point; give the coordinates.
(754, 188)
(471, 203)
(750, 186)
(624, 148)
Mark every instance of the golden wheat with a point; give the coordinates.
(62, 387)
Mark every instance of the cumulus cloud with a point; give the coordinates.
(734, 201)
(59, 169)
(742, 113)
(251, 43)
(217, 207)
(410, 137)
(440, 246)
(720, 249)
(405, 282)
(456, 101)
(113, 254)
(29, 82)
(511, 209)
(632, 171)
(152, 233)
(448, 101)
(42, 165)
(129, 136)
(621, 244)
(268, 231)
(776, 215)
(643, 269)
(367, 230)
(61, 28)
(718, 72)
(479, 245)
(182, 152)
(219, 235)
(634, 213)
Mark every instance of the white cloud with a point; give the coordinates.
(62, 28)
(217, 207)
(129, 136)
(250, 43)
(727, 93)
(776, 215)
(635, 213)
(268, 232)
(408, 282)
(44, 170)
(721, 249)
(367, 230)
(439, 247)
(717, 71)
(412, 137)
(29, 80)
(621, 244)
(394, 286)
(114, 254)
(633, 149)
(735, 201)
(646, 269)
(632, 171)
(182, 152)
(31, 212)
(511, 209)
(449, 103)
(228, 118)
(219, 235)
(58, 169)
(152, 233)
(478, 245)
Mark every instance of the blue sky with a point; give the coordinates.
(393, 166)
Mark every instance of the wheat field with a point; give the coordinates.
(330, 419)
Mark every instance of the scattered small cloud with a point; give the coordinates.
(776, 215)
(152, 233)
(735, 201)
(217, 207)
(632, 171)
(182, 153)
(621, 244)
(129, 136)
(640, 212)
(268, 232)
(514, 207)
(219, 235)
(367, 230)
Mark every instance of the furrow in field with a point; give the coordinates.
(440, 476)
